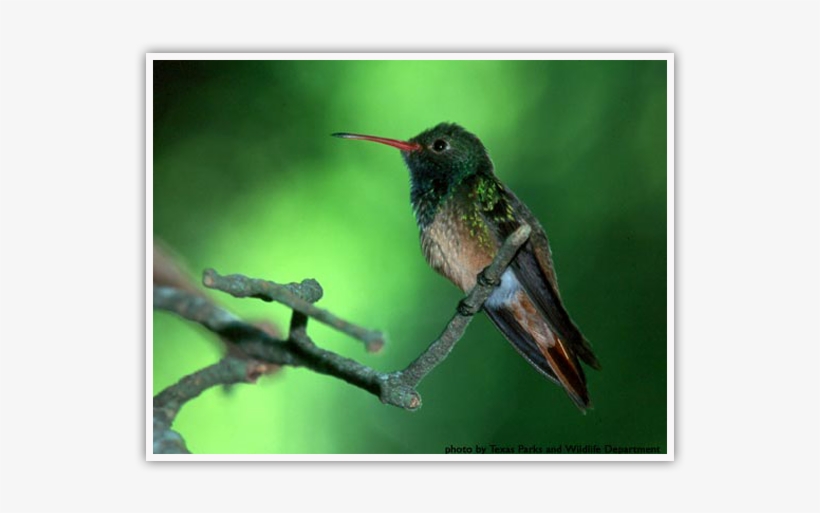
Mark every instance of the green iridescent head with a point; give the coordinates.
(446, 154)
(439, 159)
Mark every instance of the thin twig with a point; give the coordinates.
(255, 342)
(227, 371)
(242, 286)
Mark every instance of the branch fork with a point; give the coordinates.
(261, 349)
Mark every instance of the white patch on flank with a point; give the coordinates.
(505, 292)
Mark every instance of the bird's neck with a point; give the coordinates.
(470, 195)
(427, 201)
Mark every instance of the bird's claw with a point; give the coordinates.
(466, 309)
(484, 280)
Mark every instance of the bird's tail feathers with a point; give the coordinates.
(569, 372)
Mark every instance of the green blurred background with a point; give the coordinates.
(247, 180)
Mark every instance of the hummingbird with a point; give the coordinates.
(464, 213)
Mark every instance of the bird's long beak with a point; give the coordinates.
(402, 145)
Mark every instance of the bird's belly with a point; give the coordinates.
(453, 251)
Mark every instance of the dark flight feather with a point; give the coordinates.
(571, 378)
(535, 271)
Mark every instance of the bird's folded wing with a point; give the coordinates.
(534, 269)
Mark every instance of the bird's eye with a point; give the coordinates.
(440, 145)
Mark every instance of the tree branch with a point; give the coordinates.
(227, 371)
(299, 298)
(254, 341)
(396, 388)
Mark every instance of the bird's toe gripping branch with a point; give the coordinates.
(486, 280)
